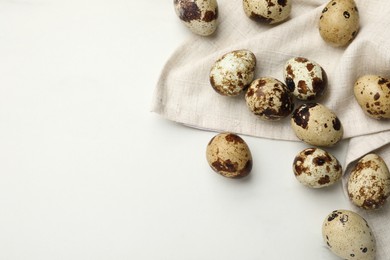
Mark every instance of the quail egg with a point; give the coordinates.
(369, 182)
(373, 95)
(349, 236)
(305, 79)
(339, 22)
(200, 16)
(269, 99)
(316, 125)
(229, 155)
(233, 72)
(316, 168)
(267, 11)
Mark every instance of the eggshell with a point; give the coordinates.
(349, 236)
(369, 182)
(269, 99)
(316, 168)
(305, 79)
(373, 95)
(233, 72)
(316, 125)
(229, 155)
(267, 11)
(200, 16)
(339, 22)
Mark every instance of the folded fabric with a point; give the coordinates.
(184, 94)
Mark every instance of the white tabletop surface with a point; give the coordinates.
(88, 172)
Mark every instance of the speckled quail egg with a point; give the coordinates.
(306, 79)
(349, 236)
(339, 22)
(229, 155)
(369, 182)
(269, 99)
(316, 125)
(373, 95)
(267, 11)
(233, 72)
(200, 16)
(316, 168)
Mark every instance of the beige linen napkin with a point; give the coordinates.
(183, 93)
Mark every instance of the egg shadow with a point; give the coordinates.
(245, 179)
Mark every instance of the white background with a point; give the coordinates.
(88, 172)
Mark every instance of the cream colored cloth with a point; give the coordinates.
(183, 93)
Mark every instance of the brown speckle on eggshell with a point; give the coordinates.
(233, 72)
(200, 16)
(369, 182)
(372, 93)
(229, 155)
(269, 99)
